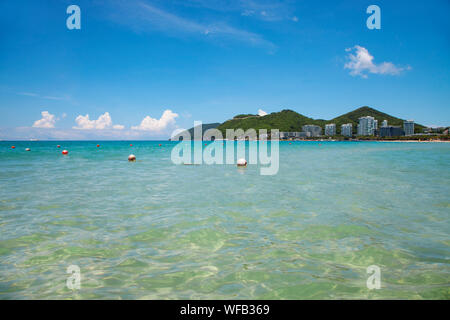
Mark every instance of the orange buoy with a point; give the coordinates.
(58, 146)
(98, 146)
(205, 144)
(65, 152)
(160, 144)
(13, 147)
(131, 145)
(131, 158)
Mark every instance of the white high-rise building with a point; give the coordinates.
(366, 126)
(346, 130)
(408, 127)
(330, 129)
(375, 124)
(384, 124)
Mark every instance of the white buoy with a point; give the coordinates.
(131, 157)
(27, 149)
(242, 163)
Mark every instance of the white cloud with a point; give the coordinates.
(118, 127)
(26, 133)
(48, 121)
(32, 94)
(157, 125)
(103, 122)
(361, 63)
(261, 113)
(28, 94)
(248, 13)
(144, 17)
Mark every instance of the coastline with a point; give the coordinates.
(326, 140)
(435, 141)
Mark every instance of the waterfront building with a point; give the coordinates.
(330, 129)
(304, 134)
(366, 126)
(346, 129)
(408, 127)
(283, 135)
(293, 135)
(384, 123)
(391, 131)
(297, 134)
(314, 130)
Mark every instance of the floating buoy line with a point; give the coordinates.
(132, 158)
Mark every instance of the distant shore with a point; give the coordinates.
(412, 140)
(312, 140)
(325, 140)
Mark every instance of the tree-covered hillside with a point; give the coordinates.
(288, 120)
(205, 126)
(285, 120)
(353, 116)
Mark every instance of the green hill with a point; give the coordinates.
(285, 120)
(353, 116)
(245, 116)
(288, 120)
(205, 126)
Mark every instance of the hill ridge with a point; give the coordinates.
(289, 120)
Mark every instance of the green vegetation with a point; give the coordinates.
(288, 120)
(285, 120)
(205, 126)
(408, 138)
(245, 116)
(353, 116)
(291, 121)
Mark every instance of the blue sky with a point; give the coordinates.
(140, 69)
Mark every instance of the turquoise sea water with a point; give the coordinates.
(155, 230)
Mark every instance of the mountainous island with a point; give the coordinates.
(291, 121)
(288, 120)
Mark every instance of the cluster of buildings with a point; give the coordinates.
(309, 130)
(367, 126)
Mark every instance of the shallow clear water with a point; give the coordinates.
(155, 230)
